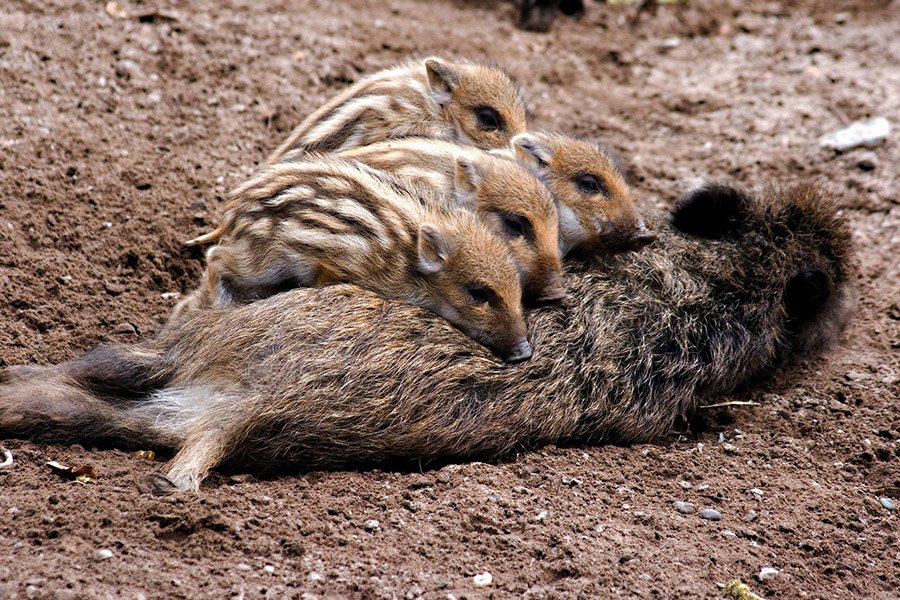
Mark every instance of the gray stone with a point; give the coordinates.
(888, 503)
(685, 508)
(710, 514)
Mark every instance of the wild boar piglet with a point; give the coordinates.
(597, 214)
(460, 100)
(504, 194)
(327, 220)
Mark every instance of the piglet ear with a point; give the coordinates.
(434, 249)
(714, 211)
(442, 79)
(532, 150)
(468, 176)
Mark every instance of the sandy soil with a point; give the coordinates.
(119, 138)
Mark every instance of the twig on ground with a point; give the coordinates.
(732, 403)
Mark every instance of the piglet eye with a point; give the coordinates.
(488, 118)
(516, 225)
(481, 294)
(591, 184)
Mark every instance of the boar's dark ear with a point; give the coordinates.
(805, 294)
(713, 211)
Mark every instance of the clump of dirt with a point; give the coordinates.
(121, 136)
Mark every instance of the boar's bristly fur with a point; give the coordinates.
(330, 377)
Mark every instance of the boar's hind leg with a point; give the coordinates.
(202, 450)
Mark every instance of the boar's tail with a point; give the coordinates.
(102, 397)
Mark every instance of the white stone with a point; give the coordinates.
(861, 133)
(767, 573)
(483, 579)
(102, 554)
(372, 525)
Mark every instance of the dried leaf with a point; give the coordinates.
(81, 474)
(146, 454)
(739, 591)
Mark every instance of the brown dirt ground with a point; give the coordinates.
(119, 138)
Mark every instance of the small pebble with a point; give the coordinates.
(710, 514)
(128, 69)
(313, 576)
(571, 481)
(888, 503)
(372, 525)
(729, 448)
(269, 569)
(483, 579)
(244, 566)
(756, 491)
(113, 289)
(860, 133)
(685, 508)
(541, 516)
(767, 573)
(685, 485)
(102, 554)
(703, 487)
(151, 99)
(669, 43)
